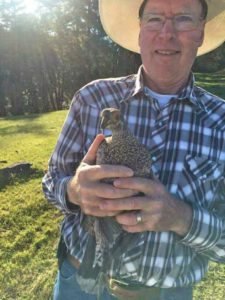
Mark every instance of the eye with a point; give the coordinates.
(152, 18)
(184, 19)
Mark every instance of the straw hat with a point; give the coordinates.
(120, 21)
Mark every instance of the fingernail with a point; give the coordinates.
(130, 172)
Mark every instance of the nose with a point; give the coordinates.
(168, 29)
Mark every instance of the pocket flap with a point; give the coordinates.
(204, 168)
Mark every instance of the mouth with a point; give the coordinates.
(167, 52)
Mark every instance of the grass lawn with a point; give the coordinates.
(215, 83)
(30, 226)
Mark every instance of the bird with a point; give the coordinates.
(122, 147)
(106, 235)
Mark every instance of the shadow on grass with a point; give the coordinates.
(22, 117)
(20, 178)
(213, 83)
(36, 129)
(24, 125)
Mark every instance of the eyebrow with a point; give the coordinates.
(162, 14)
(184, 10)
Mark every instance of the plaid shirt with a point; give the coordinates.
(186, 138)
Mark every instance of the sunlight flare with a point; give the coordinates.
(30, 6)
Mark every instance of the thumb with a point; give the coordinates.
(90, 156)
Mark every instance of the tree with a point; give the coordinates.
(44, 59)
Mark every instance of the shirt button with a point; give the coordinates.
(154, 158)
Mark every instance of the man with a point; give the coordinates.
(181, 215)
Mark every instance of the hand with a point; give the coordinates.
(160, 211)
(86, 189)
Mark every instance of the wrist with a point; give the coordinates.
(71, 196)
(184, 221)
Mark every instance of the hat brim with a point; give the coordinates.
(120, 21)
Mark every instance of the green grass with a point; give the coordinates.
(29, 138)
(29, 226)
(215, 83)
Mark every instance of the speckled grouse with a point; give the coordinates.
(106, 236)
(122, 148)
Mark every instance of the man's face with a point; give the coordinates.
(168, 54)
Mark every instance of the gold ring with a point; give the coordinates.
(139, 217)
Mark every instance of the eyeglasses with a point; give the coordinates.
(182, 22)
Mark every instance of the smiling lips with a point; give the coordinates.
(167, 52)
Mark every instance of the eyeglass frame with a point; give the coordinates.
(173, 19)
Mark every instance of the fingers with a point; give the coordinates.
(90, 156)
(129, 222)
(126, 204)
(95, 194)
(106, 191)
(95, 211)
(146, 186)
(130, 218)
(135, 228)
(92, 197)
(98, 172)
(87, 190)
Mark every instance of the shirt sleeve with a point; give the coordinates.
(207, 232)
(64, 160)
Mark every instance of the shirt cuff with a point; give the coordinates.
(205, 231)
(61, 195)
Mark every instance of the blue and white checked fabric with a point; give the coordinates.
(186, 138)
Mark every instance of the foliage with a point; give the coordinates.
(45, 58)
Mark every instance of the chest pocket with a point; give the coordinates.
(203, 168)
(199, 180)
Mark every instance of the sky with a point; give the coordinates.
(30, 6)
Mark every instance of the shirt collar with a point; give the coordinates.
(138, 86)
(188, 93)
